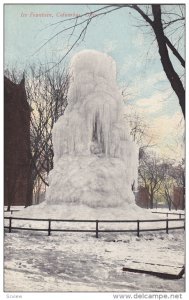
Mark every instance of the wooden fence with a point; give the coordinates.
(169, 213)
(11, 210)
(96, 229)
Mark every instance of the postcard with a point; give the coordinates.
(94, 149)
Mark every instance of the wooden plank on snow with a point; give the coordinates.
(163, 271)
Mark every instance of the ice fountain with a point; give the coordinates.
(95, 159)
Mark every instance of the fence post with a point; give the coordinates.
(179, 216)
(96, 228)
(10, 224)
(167, 226)
(49, 229)
(138, 228)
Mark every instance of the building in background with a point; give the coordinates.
(178, 200)
(16, 144)
(142, 197)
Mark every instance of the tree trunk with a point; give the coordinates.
(29, 197)
(164, 55)
(151, 201)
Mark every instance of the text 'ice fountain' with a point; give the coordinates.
(95, 159)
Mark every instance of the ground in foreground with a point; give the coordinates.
(80, 262)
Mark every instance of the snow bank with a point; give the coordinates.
(85, 212)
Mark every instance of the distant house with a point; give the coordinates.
(142, 197)
(16, 144)
(178, 198)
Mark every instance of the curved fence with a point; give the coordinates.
(169, 213)
(137, 228)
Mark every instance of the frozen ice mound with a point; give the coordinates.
(89, 180)
(75, 211)
(95, 159)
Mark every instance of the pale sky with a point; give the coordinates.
(132, 47)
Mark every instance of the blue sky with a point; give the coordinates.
(132, 47)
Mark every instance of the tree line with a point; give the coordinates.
(47, 96)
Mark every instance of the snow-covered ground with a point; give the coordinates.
(80, 262)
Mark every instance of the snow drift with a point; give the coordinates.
(95, 159)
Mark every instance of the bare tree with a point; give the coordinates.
(47, 95)
(14, 74)
(164, 23)
(151, 175)
(179, 176)
(140, 131)
(174, 178)
(168, 182)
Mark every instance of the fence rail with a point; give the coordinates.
(96, 229)
(169, 213)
